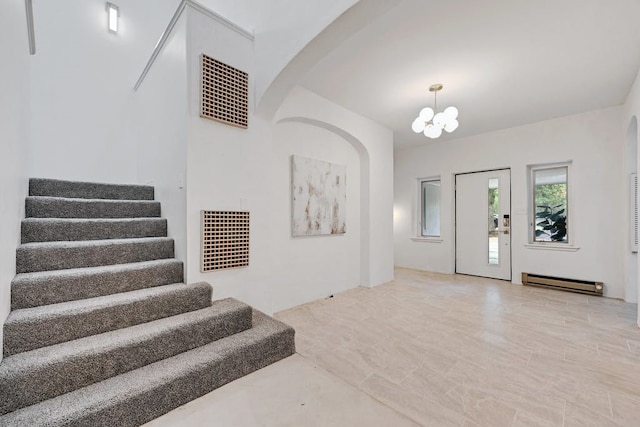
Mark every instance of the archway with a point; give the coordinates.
(359, 15)
(364, 187)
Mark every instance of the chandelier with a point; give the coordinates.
(432, 123)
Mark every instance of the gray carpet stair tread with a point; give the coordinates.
(56, 286)
(31, 377)
(31, 328)
(59, 207)
(41, 256)
(141, 395)
(88, 190)
(65, 229)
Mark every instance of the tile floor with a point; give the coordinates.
(442, 350)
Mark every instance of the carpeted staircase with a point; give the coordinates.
(102, 332)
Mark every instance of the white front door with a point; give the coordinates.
(483, 224)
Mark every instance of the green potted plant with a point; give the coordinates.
(551, 223)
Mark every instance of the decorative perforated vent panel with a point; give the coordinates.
(225, 240)
(225, 93)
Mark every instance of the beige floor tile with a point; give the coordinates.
(580, 416)
(521, 389)
(625, 409)
(617, 353)
(524, 419)
(582, 354)
(481, 407)
(292, 392)
(424, 411)
(420, 354)
(634, 346)
(444, 350)
(341, 363)
(391, 365)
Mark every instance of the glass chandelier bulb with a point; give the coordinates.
(432, 131)
(451, 125)
(451, 112)
(418, 125)
(428, 131)
(439, 120)
(426, 114)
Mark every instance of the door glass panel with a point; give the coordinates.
(494, 203)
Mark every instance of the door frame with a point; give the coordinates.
(455, 222)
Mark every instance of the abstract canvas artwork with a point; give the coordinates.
(319, 197)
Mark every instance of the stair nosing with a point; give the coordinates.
(86, 305)
(61, 244)
(84, 220)
(84, 200)
(95, 269)
(37, 178)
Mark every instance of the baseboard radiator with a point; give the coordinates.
(571, 285)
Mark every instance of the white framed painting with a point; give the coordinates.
(318, 197)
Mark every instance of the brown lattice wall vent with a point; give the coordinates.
(225, 93)
(225, 240)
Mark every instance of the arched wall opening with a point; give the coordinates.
(276, 88)
(363, 187)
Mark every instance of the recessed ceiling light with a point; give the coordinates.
(113, 12)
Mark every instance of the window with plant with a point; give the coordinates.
(550, 187)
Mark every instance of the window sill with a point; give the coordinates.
(427, 239)
(552, 247)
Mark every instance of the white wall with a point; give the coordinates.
(227, 167)
(631, 110)
(375, 146)
(314, 267)
(82, 78)
(155, 132)
(14, 137)
(593, 142)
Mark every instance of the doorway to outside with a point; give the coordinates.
(483, 224)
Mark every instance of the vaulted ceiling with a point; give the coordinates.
(503, 63)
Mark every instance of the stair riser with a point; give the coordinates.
(29, 335)
(60, 230)
(75, 208)
(30, 259)
(254, 356)
(85, 190)
(73, 373)
(56, 287)
(208, 377)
